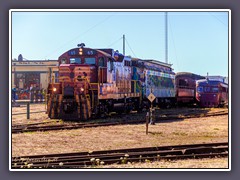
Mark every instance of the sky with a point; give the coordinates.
(197, 41)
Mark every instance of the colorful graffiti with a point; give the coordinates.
(160, 82)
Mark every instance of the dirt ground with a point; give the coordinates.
(18, 118)
(187, 131)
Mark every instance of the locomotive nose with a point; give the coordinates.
(209, 100)
(68, 91)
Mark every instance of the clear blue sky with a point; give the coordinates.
(197, 41)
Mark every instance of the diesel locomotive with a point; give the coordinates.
(94, 82)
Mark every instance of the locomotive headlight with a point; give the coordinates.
(54, 89)
(80, 51)
(81, 89)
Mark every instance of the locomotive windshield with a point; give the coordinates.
(89, 60)
(75, 60)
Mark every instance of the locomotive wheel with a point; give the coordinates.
(103, 110)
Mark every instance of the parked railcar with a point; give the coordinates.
(157, 78)
(186, 87)
(94, 82)
(211, 93)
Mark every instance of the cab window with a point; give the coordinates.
(101, 62)
(110, 65)
(75, 60)
(63, 61)
(89, 61)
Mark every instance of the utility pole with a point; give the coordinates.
(166, 36)
(124, 44)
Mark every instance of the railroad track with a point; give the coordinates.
(134, 119)
(121, 156)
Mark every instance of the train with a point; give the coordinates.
(95, 82)
(186, 88)
(211, 93)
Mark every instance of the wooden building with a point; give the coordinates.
(34, 72)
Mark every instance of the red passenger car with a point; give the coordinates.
(186, 87)
(211, 93)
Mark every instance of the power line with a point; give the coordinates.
(85, 32)
(218, 19)
(115, 42)
(130, 47)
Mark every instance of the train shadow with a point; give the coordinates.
(169, 120)
(179, 114)
(183, 111)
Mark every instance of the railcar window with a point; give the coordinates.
(75, 60)
(207, 89)
(101, 62)
(127, 63)
(224, 89)
(89, 61)
(215, 89)
(200, 89)
(183, 82)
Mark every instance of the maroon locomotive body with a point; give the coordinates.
(92, 82)
(211, 93)
(186, 87)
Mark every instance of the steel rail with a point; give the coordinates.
(32, 128)
(121, 156)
